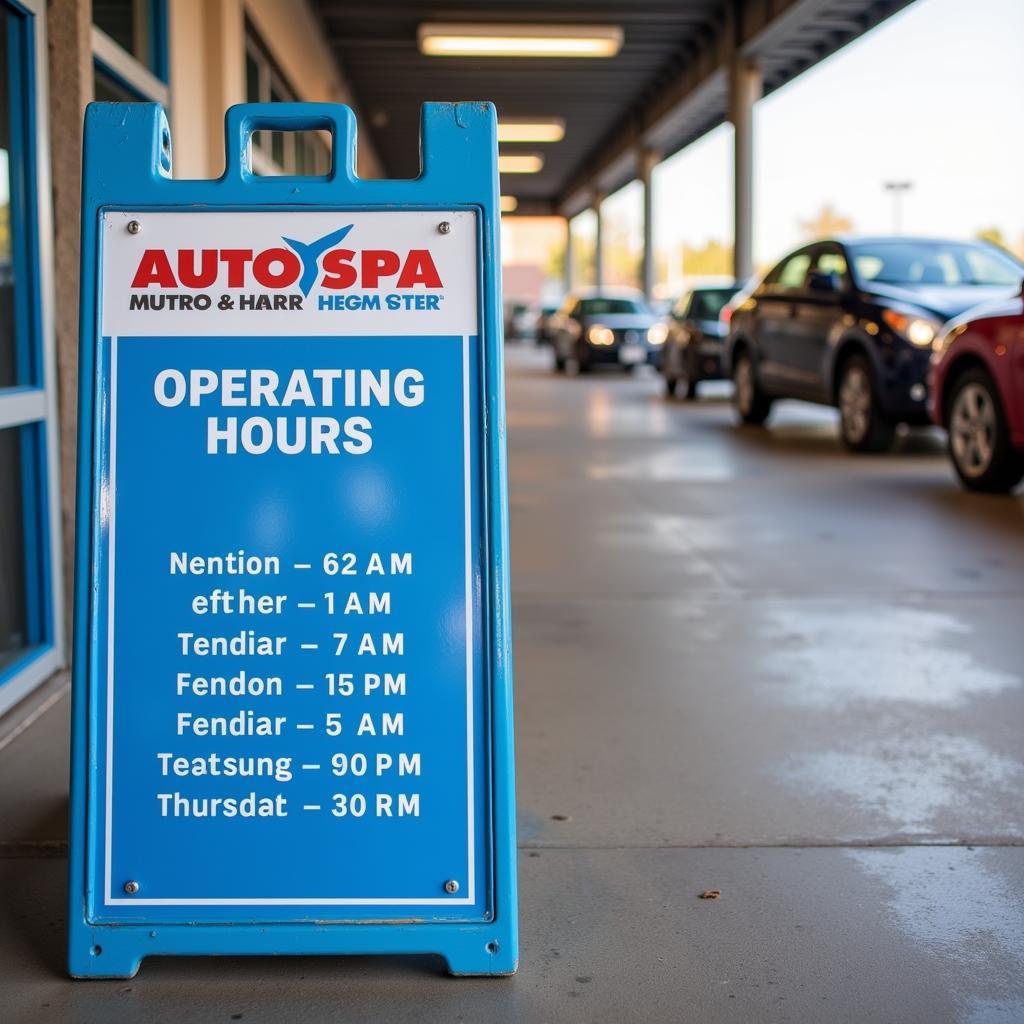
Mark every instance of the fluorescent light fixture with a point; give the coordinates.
(509, 204)
(531, 129)
(520, 163)
(438, 39)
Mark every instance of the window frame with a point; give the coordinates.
(126, 70)
(32, 407)
(270, 78)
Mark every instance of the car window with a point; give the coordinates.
(986, 266)
(604, 306)
(831, 263)
(708, 302)
(681, 307)
(794, 272)
(945, 264)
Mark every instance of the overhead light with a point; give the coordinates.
(529, 129)
(438, 39)
(520, 163)
(509, 204)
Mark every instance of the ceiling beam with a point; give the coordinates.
(802, 32)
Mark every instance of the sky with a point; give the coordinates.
(935, 96)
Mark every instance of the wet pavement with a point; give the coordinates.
(746, 661)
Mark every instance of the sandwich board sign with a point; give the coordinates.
(292, 681)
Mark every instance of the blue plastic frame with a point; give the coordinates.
(127, 166)
(20, 70)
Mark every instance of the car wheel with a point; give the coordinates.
(979, 439)
(863, 425)
(752, 404)
(671, 384)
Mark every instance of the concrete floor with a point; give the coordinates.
(745, 661)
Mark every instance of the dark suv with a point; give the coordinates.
(850, 322)
(696, 337)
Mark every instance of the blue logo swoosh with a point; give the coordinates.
(310, 252)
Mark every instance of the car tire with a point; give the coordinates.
(978, 436)
(863, 426)
(671, 386)
(751, 403)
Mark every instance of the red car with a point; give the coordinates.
(977, 394)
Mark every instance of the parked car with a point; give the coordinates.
(520, 320)
(977, 394)
(547, 312)
(850, 322)
(696, 338)
(605, 328)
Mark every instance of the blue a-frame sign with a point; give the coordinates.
(292, 675)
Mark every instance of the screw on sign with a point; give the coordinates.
(291, 678)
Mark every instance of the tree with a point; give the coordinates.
(712, 259)
(828, 222)
(993, 235)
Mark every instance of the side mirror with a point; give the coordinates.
(820, 282)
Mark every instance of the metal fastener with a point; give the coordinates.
(444, 227)
(451, 886)
(134, 227)
(131, 887)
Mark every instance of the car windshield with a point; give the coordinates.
(708, 302)
(602, 307)
(949, 264)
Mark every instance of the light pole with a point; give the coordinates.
(898, 190)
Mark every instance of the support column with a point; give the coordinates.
(570, 257)
(745, 89)
(69, 41)
(648, 160)
(598, 243)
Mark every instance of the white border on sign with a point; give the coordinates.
(109, 498)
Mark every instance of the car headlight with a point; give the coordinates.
(917, 330)
(598, 335)
(657, 334)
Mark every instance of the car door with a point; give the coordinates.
(817, 319)
(777, 331)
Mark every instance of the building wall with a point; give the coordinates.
(206, 43)
(203, 89)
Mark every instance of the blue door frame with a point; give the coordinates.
(34, 422)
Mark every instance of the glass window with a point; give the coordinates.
(794, 272)
(13, 613)
(279, 152)
(949, 264)
(708, 302)
(679, 310)
(108, 89)
(831, 263)
(601, 306)
(9, 374)
(138, 28)
(135, 25)
(989, 266)
(28, 652)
